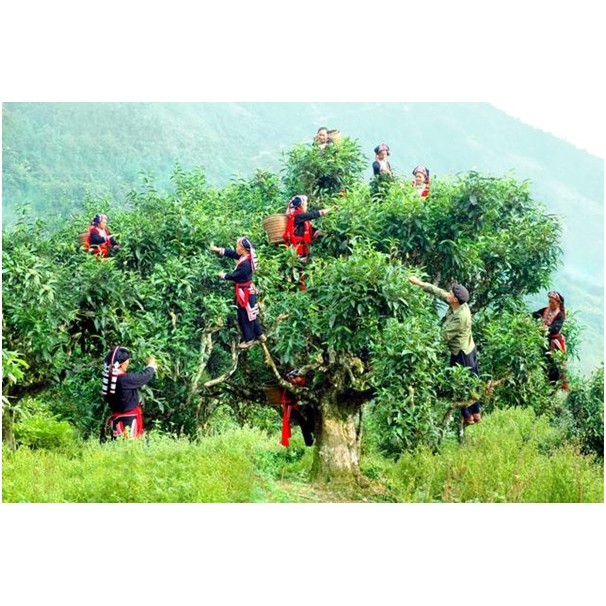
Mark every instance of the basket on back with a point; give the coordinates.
(334, 136)
(275, 225)
(84, 241)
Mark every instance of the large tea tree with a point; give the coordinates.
(360, 333)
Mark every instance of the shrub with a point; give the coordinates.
(586, 406)
(42, 430)
(316, 173)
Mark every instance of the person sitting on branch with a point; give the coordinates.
(246, 293)
(552, 318)
(457, 329)
(299, 231)
(100, 240)
(121, 390)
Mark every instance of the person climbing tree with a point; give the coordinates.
(99, 239)
(421, 180)
(457, 329)
(381, 166)
(299, 232)
(552, 318)
(121, 390)
(321, 140)
(246, 293)
(293, 412)
(382, 173)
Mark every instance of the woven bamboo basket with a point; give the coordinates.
(334, 136)
(84, 240)
(275, 225)
(273, 393)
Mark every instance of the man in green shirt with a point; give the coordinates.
(457, 330)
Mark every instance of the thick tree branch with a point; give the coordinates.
(234, 359)
(354, 366)
(300, 392)
(245, 394)
(206, 345)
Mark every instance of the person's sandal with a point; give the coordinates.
(245, 344)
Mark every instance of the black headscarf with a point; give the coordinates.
(112, 361)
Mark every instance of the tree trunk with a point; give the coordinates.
(337, 454)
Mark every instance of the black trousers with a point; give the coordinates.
(250, 330)
(470, 361)
(305, 419)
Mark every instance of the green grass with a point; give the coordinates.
(158, 469)
(513, 456)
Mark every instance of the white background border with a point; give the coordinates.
(545, 54)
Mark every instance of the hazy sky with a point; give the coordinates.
(581, 125)
(541, 65)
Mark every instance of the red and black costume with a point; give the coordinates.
(299, 232)
(100, 241)
(293, 412)
(121, 390)
(553, 320)
(245, 291)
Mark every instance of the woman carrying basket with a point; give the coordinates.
(299, 232)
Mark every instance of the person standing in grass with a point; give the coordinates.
(457, 330)
(121, 390)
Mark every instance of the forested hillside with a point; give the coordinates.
(55, 154)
